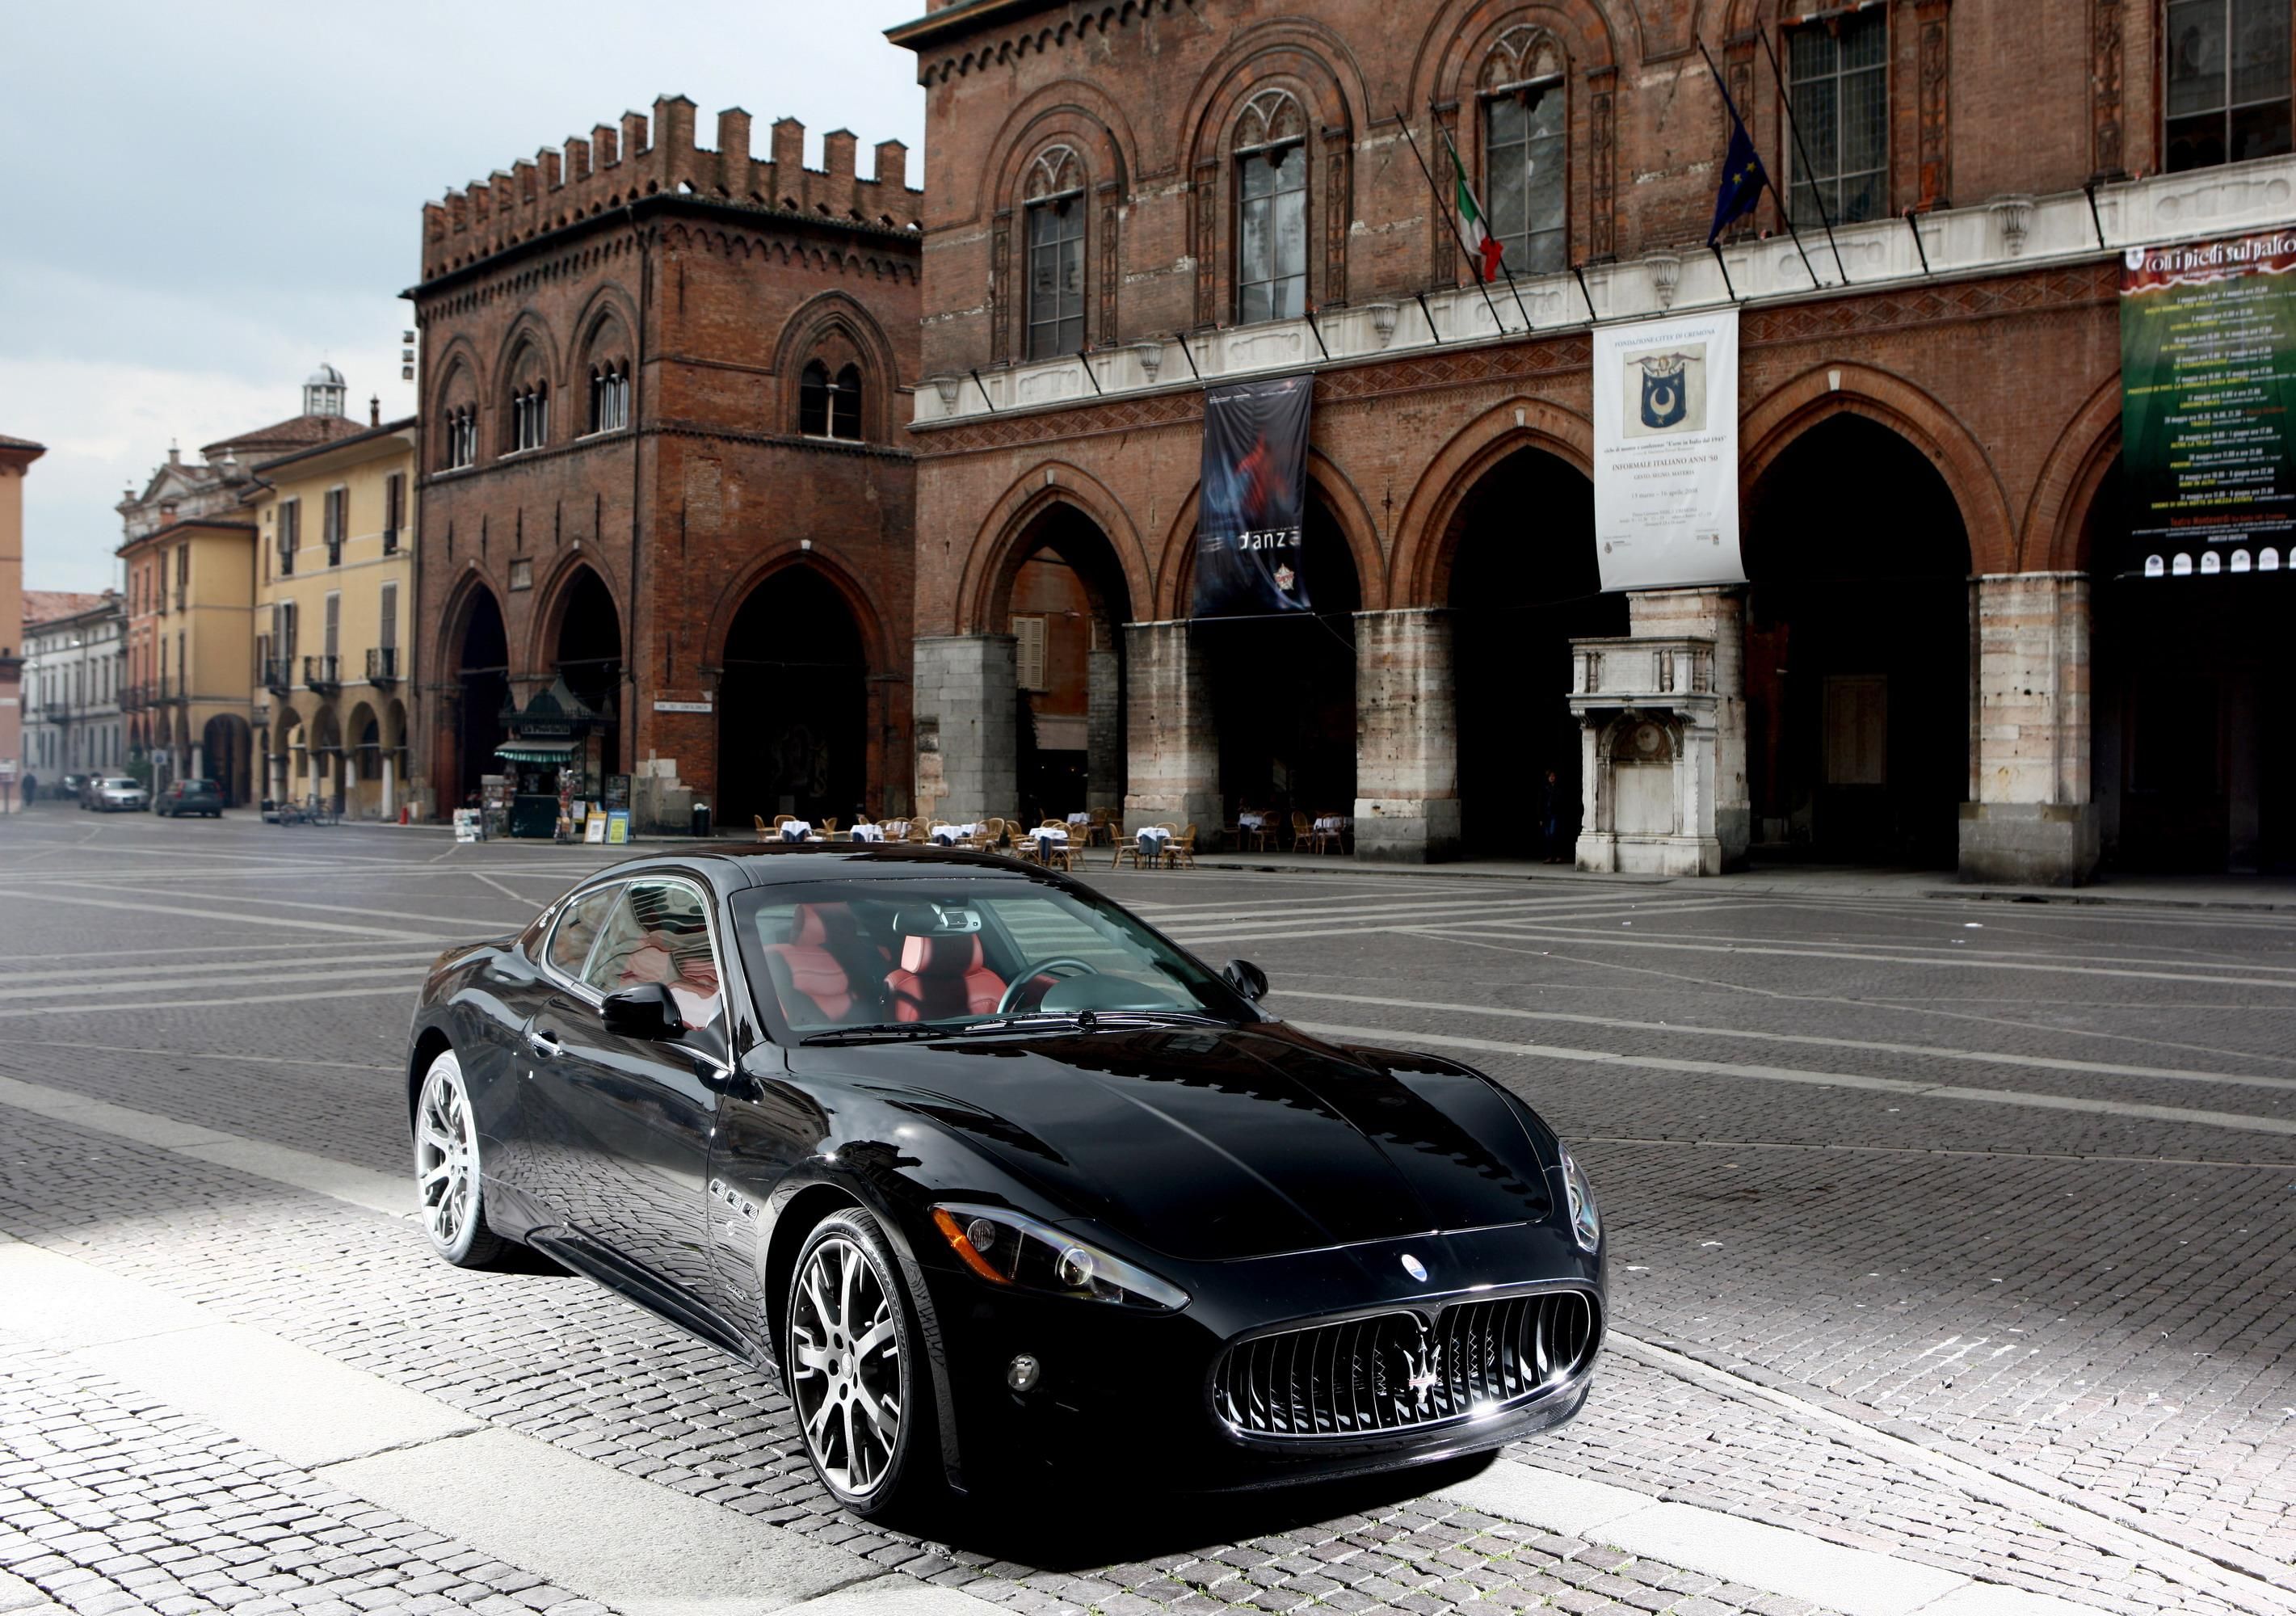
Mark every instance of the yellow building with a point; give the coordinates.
(334, 541)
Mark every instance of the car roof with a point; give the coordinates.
(771, 863)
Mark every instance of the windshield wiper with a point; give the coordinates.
(879, 1029)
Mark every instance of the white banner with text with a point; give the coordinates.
(1666, 452)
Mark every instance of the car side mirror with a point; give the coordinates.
(647, 1010)
(1246, 978)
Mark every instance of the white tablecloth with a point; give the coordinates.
(949, 835)
(1334, 821)
(868, 832)
(796, 829)
(1079, 818)
(1252, 821)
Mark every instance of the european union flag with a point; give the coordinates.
(1743, 179)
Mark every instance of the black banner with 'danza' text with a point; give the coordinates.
(1253, 501)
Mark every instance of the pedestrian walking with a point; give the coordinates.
(31, 785)
(1550, 819)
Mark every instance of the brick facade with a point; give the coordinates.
(1969, 363)
(618, 542)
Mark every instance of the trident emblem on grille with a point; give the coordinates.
(1426, 1368)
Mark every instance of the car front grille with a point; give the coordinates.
(1399, 1371)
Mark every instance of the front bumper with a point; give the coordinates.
(1131, 1388)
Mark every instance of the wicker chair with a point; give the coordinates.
(764, 835)
(1255, 838)
(1301, 832)
(1098, 831)
(1180, 852)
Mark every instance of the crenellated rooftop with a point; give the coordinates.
(641, 157)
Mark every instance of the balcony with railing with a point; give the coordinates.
(278, 675)
(383, 666)
(324, 674)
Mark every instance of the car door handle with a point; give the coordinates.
(545, 1045)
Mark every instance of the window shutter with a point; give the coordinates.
(334, 622)
(1029, 655)
(387, 637)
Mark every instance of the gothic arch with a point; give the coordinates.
(2056, 535)
(1421, 571)
(1788, 411)
(1455, 45)
(1339, 498)
(548, 618)
(1002, 542)
(869, 615)
(528, 330)
(837, 327)
(461, 601)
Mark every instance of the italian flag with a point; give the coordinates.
(1481, 244)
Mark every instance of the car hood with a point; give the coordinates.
(1214, 1144)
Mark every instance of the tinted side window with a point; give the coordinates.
(659, 932)
(578, 929)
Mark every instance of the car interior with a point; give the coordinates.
(858, 960)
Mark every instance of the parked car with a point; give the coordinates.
(1001, 1180)
(119, 791)
(73, 788)
(183, 797)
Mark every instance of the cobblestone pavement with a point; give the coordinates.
(1955, 1231)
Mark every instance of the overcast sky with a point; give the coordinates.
(200, 203)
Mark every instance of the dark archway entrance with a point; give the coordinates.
(1066, 608)
(2185, 770)
(1525, 582)
(226, 751)
(1283, 689)
(482, 680)
(590, 659)
(793, 704)
(1857, 669)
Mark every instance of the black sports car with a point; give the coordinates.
(996, 1177)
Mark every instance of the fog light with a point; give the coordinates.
(982, 1233)
(1023, 1371)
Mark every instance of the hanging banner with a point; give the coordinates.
(1252, 500)
(1666, 452)
(2208, 405)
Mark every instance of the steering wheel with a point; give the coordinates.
(1029, 975)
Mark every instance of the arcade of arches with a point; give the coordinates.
(1880, 699)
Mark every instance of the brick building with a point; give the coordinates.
(1936, 659)
(663, 390)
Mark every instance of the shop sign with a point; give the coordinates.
(1666, 452)
(682, 706)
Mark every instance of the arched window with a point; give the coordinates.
(1271, 225)
(1056, 210)
(529, 416)
(813, 400)
(610, 396)
(827, 408)
(459, 443)
(845, 404)
(1525, 116)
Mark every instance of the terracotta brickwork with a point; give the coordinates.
(695, 287)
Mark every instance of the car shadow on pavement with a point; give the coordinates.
(1065, 1527)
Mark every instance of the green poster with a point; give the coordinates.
(2208, 372)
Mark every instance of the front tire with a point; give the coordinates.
(449, 1183)
(853, 1363)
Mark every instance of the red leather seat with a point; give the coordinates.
(941, 977)
(817, 988)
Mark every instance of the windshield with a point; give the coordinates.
(953, 952)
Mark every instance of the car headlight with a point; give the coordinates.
(1586, 1217)
(1005, 1248)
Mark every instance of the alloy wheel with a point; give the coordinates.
(849, 1383)
(446, 1155)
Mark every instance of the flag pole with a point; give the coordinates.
(1785, 100)
(1454, 148)
(1445, 208)
(1786, 211)
(1723, 264)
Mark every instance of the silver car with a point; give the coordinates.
(119, 792)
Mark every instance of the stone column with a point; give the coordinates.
(390, 788)
(1103, 730)
(968, 765)
(2030, 820)
(1716, 614)
(1174, 769)
(1407, 737)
